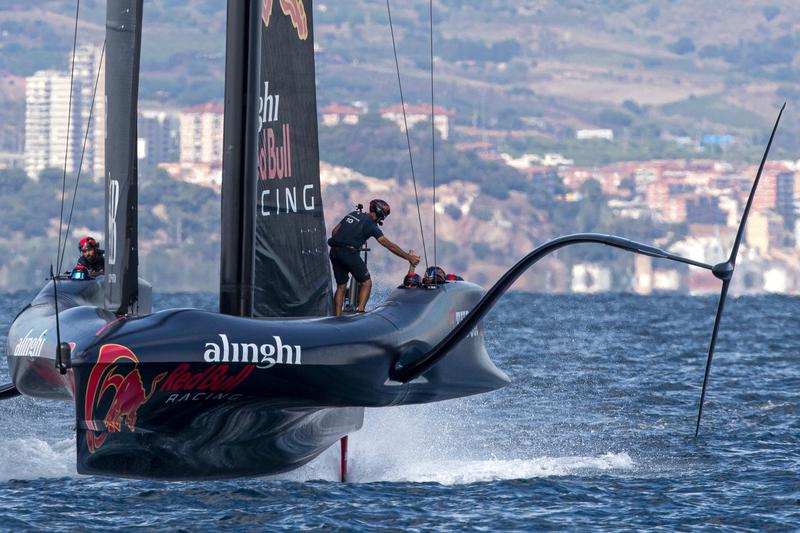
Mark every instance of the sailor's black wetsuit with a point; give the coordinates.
(96, 267)
(354, 230)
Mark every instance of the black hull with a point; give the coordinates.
(190, 394)
(247, 438)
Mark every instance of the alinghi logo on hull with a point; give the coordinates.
(29, 346)
(262, 355)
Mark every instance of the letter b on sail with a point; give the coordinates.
(113, 206)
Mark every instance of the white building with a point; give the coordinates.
(776, 280)
(47, 113)
(419, 113)
(605, 134)
(556, 160)
(523, 162)
(46, 117)
(335, 114)
(201, 134)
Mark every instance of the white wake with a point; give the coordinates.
(33, 458)
(418, 444)
(425, 444)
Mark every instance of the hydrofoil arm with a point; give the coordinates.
(408, 372)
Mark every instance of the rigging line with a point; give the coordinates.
(83, 152)
(408, 136)
(69, 125)
(433, 140)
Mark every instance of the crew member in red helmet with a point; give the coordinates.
(346, 240)
(91, 256)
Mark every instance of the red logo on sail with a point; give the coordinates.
(127, 393)
(293, 9)
(274, 159)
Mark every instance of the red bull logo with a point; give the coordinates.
(127, 392)
(293, 9)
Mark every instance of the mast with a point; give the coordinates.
(239, 160)
(123, 50)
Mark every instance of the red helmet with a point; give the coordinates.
(87, 243)
(380, 208)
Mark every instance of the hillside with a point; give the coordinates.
(644, 68)
(478, 235)
(518, 78)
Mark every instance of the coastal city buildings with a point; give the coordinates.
(187, 143)
(200, 146)
(49, 108)
(416, 113)
(697, 202)
(706, 197)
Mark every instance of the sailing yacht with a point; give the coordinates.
(272, 380)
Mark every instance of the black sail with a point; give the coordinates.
(292, 273)
(277, 139)
(123, 46)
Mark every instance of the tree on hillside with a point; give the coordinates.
(614, 119)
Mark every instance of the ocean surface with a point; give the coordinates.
(594, 433)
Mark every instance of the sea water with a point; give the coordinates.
(595, 432)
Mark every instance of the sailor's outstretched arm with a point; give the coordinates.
(411, 266)
(399, 252)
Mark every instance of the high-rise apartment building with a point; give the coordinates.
(48, 106)
(201, 134)
(46, 118)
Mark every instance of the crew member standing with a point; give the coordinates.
(346, 240)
